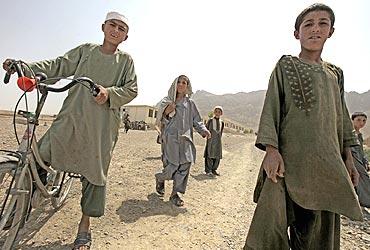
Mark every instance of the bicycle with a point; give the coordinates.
(21, 187)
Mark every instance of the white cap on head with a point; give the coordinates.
(218, 107)
(116, 16)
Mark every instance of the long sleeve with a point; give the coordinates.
(349, 138)
(127, 89)
(208, 124)
(268, 131)
(197, 120)
(62, 66)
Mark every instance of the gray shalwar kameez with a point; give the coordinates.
(178, 149)
(363, 187)
(213, 149)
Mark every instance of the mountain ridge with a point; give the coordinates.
(246, 107)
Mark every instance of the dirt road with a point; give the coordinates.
(216, 214)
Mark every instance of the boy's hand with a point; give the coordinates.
(6, 65)
(273, 163)
(103, 95)
(170, 107)
(206, 134)
(352, 171)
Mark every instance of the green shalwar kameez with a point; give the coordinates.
(306, 118)
(82, 137)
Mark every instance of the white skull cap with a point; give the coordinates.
(218, 107)
(116, 16)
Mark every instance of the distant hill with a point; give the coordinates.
(241, 107)
(246, 107)
(358, 102)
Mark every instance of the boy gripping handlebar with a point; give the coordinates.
(67, 145)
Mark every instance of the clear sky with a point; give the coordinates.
(223, 46)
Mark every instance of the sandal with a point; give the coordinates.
(83, 239)
(176, 200)
(159, 187)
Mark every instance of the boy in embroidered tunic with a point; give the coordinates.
(82, 137)
(305, 178)
(177, 116)
(361, 163)
(213, 150)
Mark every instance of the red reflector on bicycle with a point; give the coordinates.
(26, 84)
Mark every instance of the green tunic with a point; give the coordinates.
(306, 118)
(82, 137)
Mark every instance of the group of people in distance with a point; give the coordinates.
(308, 173)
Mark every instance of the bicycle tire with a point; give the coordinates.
(57, 201)
(17, 205)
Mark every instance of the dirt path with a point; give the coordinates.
(216, 215)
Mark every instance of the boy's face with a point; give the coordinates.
(182, 86)
(115, 31)
(314, 30)
(217, 113)
(359, 122)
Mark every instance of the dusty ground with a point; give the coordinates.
(216, 215)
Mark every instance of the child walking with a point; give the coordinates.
(177, 116)
(213, 150)
(304, 182)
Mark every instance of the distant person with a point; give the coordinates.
(305, 178)
(126, 122)
(213, 150)
(122, 112)
(361, 162)
(177, 116)
(82, 137)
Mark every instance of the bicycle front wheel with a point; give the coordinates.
(63, 182)
(14, 201)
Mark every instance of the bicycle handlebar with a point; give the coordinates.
(6, 78)
(93, 87)
(41, 77)
(14, 65)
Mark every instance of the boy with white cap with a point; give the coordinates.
(68, 144)
(213, 150)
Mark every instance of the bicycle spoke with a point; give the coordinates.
(14, 204)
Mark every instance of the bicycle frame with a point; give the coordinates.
(21, 168)
(29, 155)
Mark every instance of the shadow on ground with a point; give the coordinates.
(57, 245)
(149, 158)
(132, 210)
(37, 219)
(202, 177)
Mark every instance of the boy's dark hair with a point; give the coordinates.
(356, 114)
(311, 8)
